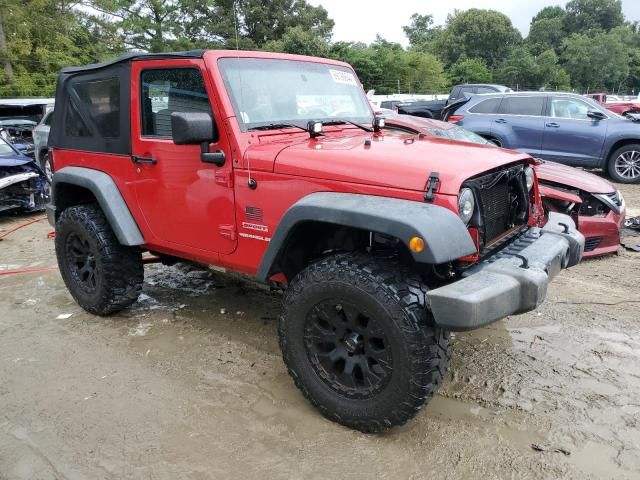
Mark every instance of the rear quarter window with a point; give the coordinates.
(101, 100)
(490, 105)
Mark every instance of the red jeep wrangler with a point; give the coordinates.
(274, 166)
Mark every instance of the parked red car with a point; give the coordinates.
(595, 204)
(621, 107)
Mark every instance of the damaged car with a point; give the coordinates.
(23, 185)
(18, 118)
(595, 204)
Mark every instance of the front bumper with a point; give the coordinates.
(602, 234)
(513, 281)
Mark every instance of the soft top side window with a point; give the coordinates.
(164, 91)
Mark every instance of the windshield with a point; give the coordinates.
(5, 148)
(265, 92)
(458, 133)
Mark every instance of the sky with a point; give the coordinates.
(361, 20)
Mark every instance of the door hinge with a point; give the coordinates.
(225, 179)
(228, 231)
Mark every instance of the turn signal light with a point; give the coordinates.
(416, 244)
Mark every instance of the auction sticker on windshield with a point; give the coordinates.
(346, 78)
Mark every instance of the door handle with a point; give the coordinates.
(139, 160)
(552, 125)
(501, 120)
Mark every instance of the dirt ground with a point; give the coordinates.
(189, 383)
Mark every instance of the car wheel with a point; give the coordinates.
(624, 164)
(46, 166)
(358, 342)
(102, 275)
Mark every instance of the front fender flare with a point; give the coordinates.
(445, 236)
(106, 192)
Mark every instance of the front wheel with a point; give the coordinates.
(102, 275)
(624, 164)
(358, 343)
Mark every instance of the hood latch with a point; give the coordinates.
(432, 185)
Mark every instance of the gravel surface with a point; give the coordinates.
(189, 383)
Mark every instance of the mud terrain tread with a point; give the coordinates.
(388, 281)
(123, 270)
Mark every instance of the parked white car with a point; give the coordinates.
(40, 144)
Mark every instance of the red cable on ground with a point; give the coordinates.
(16, 271)
(22, 225)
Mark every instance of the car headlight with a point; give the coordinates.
(466, 204)
(528, 173)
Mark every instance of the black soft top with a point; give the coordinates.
(92, 111)
(130, 56)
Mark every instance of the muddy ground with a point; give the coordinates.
(190, 384)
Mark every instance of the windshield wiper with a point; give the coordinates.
(275, 126)
(338, 122)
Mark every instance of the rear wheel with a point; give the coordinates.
(102, 275)
(624, 164)
(358, 343)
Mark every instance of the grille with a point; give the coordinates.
(591, 243)
(503, 202)
(496, 209)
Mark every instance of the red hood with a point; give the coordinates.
(396, 161)
(573, 177)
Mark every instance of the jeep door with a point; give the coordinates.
(186, 203)
(519, 123)
(570, 135)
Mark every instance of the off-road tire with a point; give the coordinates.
(119, 271)
(629, 151)
(396, 296)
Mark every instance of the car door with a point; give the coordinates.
(570, 135)
(519, 123)
(185, 202)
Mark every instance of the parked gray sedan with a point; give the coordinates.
(40, 143)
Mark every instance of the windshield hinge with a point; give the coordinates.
(227, 231)
(432, 185)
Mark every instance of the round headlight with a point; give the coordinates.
(466, 204)
(528, 173)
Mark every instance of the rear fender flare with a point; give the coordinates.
(106, 192)
(445, 235)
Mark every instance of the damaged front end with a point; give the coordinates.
(23, 186)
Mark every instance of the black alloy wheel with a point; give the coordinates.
(348, 349)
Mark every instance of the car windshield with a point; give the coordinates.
(458, 133)
(6, 149)
(275, 92)
(17, 121)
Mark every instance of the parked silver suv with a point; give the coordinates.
(40, 144)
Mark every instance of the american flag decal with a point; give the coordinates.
(253, 213)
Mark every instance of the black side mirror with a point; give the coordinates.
(192, 128)
(378, 124)
(596, 115)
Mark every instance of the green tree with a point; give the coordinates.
(469, 70)
(546, 33)
(300, 41)
(421, 33)
(584, 15)
(519, 69)
(548, 13)
(550, 73)
(262, 21)
(600, 61)
(484, 34)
